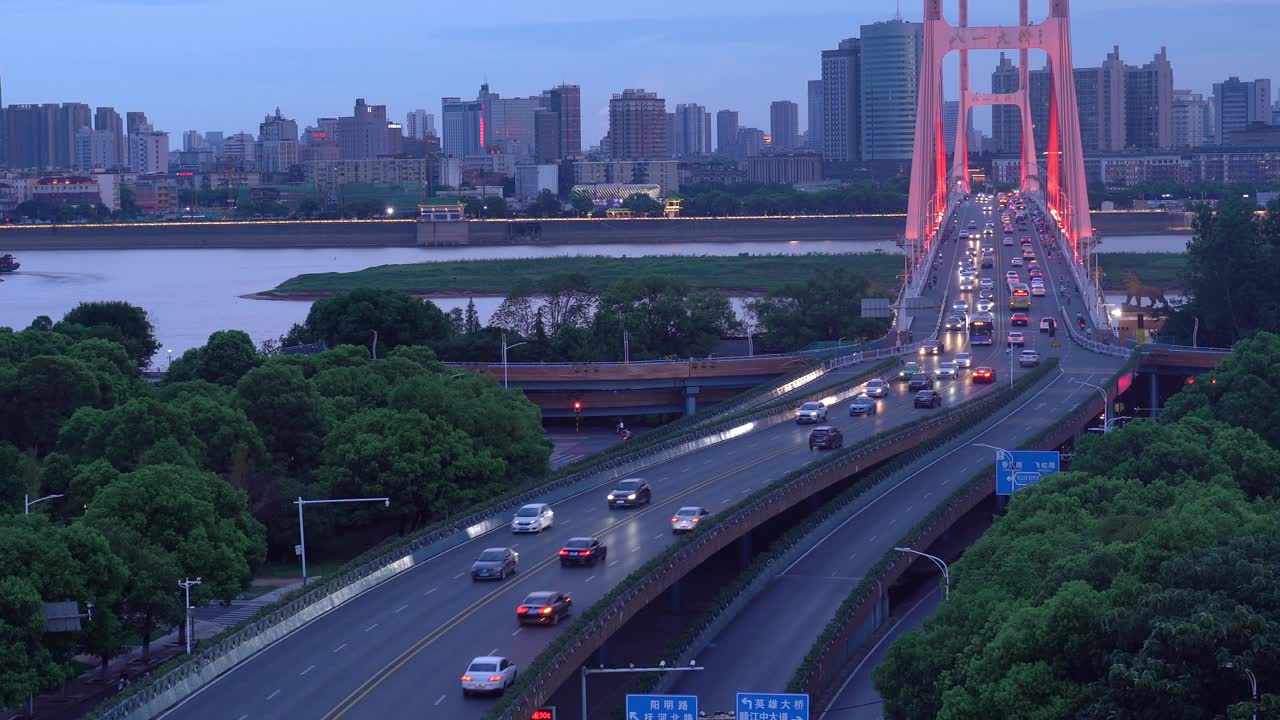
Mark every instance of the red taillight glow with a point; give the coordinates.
(674, 519)
(545, 611)
(496, 678)
(466, 678)
(696, 519)
(585, 553)
(564, 552)
(522, 610)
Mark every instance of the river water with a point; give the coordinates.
(192, 293)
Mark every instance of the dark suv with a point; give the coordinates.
(630, 493)
(920, 381)
(826, 437)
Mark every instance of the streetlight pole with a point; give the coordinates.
(186, 584)
(942, 565)
(375, 344)
(28, 502)
(505, 348)
(1106, 424)
(626, 347)
(1253, 686)
(662, 668)
(302, 534)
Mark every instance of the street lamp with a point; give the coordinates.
(186, 586)
(302, 535)
(1106, 424)
(28, 502)
(375, 344)
(662, 668)
(505, 348)
(1253, 686)
(942, 565)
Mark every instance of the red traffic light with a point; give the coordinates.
(577, 406)
(1191, 381)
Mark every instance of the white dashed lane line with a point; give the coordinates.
(440, 699)
(371, 627)
(272, 695)
(339, 648)
(304, 672)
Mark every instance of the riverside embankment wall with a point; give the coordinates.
(407, 233)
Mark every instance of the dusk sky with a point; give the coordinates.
(224, 64)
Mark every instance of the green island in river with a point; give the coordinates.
(742, 275)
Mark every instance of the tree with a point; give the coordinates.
(663, 317)
(471, 319)
(1243, 391)
(167, 522)
(642, 204)
(546, 204)
(827, 307)
(120, 321)
(46, 391)
(399, 318)
(286, 410)
(223, 360)
(583, 205)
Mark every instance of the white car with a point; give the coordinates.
(1037, 291)
(1029, 358)
(964, 359)
(1008, 241)
(987, 283)
(687, 518)
(1016, 262)
(947, 370)
(1012, 276)
(533, 518)
(488, 674)
(1016, 338)
(961, 307)
(985, 306)
(1045, 324)
(811, 412)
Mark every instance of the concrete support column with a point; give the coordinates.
(744, 551)
(691, 399)
(1153, 397)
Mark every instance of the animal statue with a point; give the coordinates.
(1135, 289)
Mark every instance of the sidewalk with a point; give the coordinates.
(81, 694)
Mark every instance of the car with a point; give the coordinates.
(920, 381)
(1035, 273)
(533, 518)
(986, 294)
(988, 261)
(927, 399)
(1029, 358)
(1033, 266)
(967, 284)
(488, 674)
(963, 359)
(862, 404)
(964, 235)
(960, 307)
(985, 305)
(811, 412)
(948, 370)
(1037, 290)
(544, 607)
(876, 388)
(988, 230)
(953, 323)
(1026, 240)
(826, 437)
(495, 563)
(687, 518)
(987, 283)
(930, 348)
(973, 225)
(908, 369)
(983, 374)
(1012, 276)
(1046, 324)
(1008, 241)
(582, 551)
(1016, 338)
(629, 493)
(1019, 319)
(1028, 254)
(1016, 262)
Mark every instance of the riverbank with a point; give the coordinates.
(740, 276)
(1164, 271)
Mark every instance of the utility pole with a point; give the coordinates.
(186, 585)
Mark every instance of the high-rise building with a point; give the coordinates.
(1260, 102)
(638, 126)
(546, 136)
(277, 127)
(508, 122)
(750, 143)
(419, 124)
(690, 133)
(813, 121)
(277, 148)
(136, 122)
(463, 124)
(1149, 104)
(95, 149)
(1237, 103)
(891, 53)
(784, 125)
(726, 133)
(1111, 120)
(192, 141)
(363, 134)
(214, 140)
(239, 152)
(1188, 119)
(71, 117)
(30, 135)
(1006, 120)
(842, 103)
(566, 102)
(148, 152)
(950, 121)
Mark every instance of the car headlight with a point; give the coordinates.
(610, 496)
(632, 496)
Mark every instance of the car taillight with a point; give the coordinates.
(585, 553)
(496, 678)
(564, 552)
(545, 611)
(674, 519)
(522, 610)
(696, 519)
(466, 678)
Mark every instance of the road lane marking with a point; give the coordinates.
(304, 672)
(439, 699)
(430, 591)
(464, 572)
(636, 548)
(909, 508)
(872, 538)
(893, 520)
(402, 607)
(615, 562)
(493, 651)
(272, 695)
(339, 648)
(593, 577)
(854, 555)
(745, 491)
(371, 627)
(244, 717)
(517, 632)
(657, 537)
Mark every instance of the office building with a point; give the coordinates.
(148, 152)
(1006, 120)
(330, 177)
(813, 121)
(463, 124)
(363, 134)
(1188, 112)
(108, 120)
(784, 125)
(1275, 113)
(750, 143)
(30, 136)
(566, 102)
(509, 122)
(637, 126)
(213, 140)
(690, 131)
(277, 127)
(785, 168)
(71, 117)
(1149, 104)
(546, 136)
(950, 120)
(1260, 106)
(136, 122)
(532, 179)
(419, 124)
(1236, 105)
(663, 173)
(842, 103)
(891, 54)
(726, 133)
(95, 149)
(192, 141)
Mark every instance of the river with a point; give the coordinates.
(192, 293)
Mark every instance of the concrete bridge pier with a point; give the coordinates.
(675, 598)
(744, 551)
(691, 399)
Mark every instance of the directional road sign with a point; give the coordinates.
(1019, 468)
(662, 707)
(772, 706)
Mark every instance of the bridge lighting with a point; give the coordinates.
(577, 407)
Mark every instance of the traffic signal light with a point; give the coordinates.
(577, 407)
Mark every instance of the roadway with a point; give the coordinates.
(801, 600)
(399, 649)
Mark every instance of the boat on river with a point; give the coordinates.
(8, 263)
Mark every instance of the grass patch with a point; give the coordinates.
(1162, 270)
(293, 571)
(750, 273)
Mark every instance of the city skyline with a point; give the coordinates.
(753, 59)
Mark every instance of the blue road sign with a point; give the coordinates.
(1019, 468)
(662, 707)
(772, 706)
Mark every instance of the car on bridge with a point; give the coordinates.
(963, 359)
(1037, 290)
(533, 518)
(876, 388)
(495, 563)
(1046, 323)
(811, 412)
(1016, 262)
(927, 399)
(544, 607)
(930, 348)
(920, 381)
(488, 674)
(686, 519)
(631, 492)
(985, 305)
(908, 369)
(862, 404)
(1029, 358)
(1016, 338)
(948, 370)
(1019, 319)
(953, 323)
(1008, 241)
(826, 437)
(987, 294)
(583, 551)
(1028, 254)
(983, 375)
(960, 307)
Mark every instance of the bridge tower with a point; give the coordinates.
(1064, 187)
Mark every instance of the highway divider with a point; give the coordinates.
(841, 643)
(182, 676)
(570, 649)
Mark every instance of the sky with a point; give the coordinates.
(224, 64)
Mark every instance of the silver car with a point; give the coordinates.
(686, 519)
(876, 388)
(811, 412)
(533, 518)
(964, 359)
(495, 564)
(947, 370)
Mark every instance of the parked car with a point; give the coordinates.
(629, 493)
(811, 412)
(534, 518)
(544, 607)
(488, 674)
(686, 519)
(826, 438)
(495, 563)
(862, 404)
(927, 399)
(582, 551)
